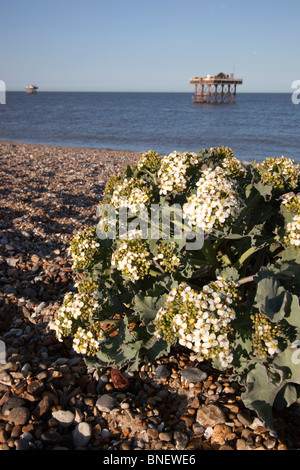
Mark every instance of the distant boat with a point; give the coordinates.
(31, 89)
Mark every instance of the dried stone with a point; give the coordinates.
(35, 387)
(12, 403)
(193, 375)
(210, 416)
(82, 434)
(64, 417)
(181, 440)
(152, 432)
(165, 436)
(220, 434)
(245, 418)
(106, 403)
(162, 372)
(18, 415)
(42, 407)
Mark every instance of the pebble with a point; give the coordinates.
(18, 415)
(181, 440)
(193, 375)
(220, 434)
(165, 436)
(106, 403)
(12, 403)
(210, 416)
(242, 445)
(245, 418)
(64, 417)
(174, 403)
(82, 434)
(162, 372)
(42, 407)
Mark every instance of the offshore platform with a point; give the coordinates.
(31, 89)
(220, 88)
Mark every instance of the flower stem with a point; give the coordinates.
(245, 280)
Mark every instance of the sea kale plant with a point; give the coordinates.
(199, 250)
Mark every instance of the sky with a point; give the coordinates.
(148, 45)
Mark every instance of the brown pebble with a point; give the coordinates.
(220, 434)
(153, 433)
(125, 446)
(16, 431)
(18, 415)
(259, 430)
(3, 436)
(42, 407)
(35, 387)
(165, 436)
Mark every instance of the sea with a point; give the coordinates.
(257, 126)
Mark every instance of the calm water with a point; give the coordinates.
(257, 126)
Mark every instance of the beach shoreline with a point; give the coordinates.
(47, 195)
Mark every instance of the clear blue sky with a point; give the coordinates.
(148, 45)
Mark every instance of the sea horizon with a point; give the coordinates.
(257, 126)
(139, 91)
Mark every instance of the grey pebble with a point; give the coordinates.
(181, 440)
(64, 417)
(106, 403)
(18, 415)
(245, 418)
(12, 403)
(82, 434)
(162, 372)
(193, 375)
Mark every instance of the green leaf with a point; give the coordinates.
(286, 397)
(287, 214)
(287, 363)
(148, 307)
(264, 190)
(293, 316)
(230, 272)
(260, 394)
(272, 299)
(129, 171)
(158, 349)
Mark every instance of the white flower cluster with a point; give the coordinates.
(225, 158)
(166, 256)
(200, 321)
(150, 160)
(83, 248)
(173, 171)
(271, 344)
(77, 308)
(265, 336)
(292, 203)
(279, 172)
(288, 197)
(234, 166)
(215, 202)
(132, 258)
(131, 193)
(87, 342)
(293, 231)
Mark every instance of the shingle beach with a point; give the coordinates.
(49, 398)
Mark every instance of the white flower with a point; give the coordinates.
(193, 319)
(293, 231)
(173, 171)
(215, 202)
(272, 347)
